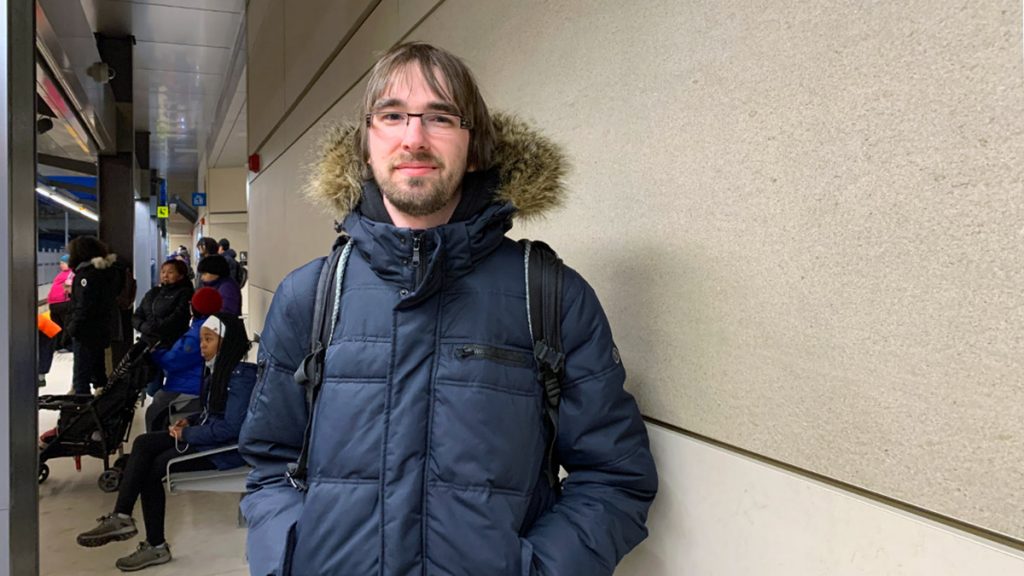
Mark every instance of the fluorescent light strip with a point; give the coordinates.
(66, 202)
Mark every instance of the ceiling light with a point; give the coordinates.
(66, 202)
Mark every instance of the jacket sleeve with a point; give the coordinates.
(602, 443)
(141, 319)
(272, 435)
(184, 356)
(223, 429)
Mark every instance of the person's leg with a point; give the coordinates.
(82, 370)
(45, 357)
(99, 373)
(145, 450)
(156, 414)
(154, 506)
(154, 500)
(119, 524)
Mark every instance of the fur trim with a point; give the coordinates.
(532, 169)
(101, 262)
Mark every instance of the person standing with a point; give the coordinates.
(92, 319)
(428, 443)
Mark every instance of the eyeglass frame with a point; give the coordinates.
(464, 124)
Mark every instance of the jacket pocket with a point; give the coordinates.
(502, 356)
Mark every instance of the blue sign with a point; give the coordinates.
(199, 199)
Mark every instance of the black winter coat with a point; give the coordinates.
(93, 314)
(164, 313)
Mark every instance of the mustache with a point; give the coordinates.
(418, 157)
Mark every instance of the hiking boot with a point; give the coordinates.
(144, 557)
(111, 528)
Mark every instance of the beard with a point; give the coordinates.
(419, 196)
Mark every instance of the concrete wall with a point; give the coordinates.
(227, 210)
(803, 218)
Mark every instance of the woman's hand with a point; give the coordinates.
(176, 430)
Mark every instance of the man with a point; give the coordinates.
(428, 438)
(224, 249)
(205, 247)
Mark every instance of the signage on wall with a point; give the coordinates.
(198, 199)
(162, 212)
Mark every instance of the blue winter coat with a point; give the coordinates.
(425, 460)
(183, 363)
(209, 430)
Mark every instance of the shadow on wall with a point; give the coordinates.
(664, 308)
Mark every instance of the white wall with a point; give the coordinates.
(722, 514)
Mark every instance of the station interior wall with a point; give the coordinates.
(803, 221)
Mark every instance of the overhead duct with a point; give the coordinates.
(181, 207)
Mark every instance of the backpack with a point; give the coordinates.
(241, 274)
(544, 271)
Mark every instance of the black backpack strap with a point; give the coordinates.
(310, 373)
(544, 312)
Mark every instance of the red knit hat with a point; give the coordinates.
(206, 301)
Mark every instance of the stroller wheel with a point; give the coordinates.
(44, 472)
(109, 480)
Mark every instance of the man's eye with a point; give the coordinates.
(445, 120)
(391, 117)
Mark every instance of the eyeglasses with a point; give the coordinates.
(391, 122)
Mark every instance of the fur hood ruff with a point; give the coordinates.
(531, 170)
(101, 262)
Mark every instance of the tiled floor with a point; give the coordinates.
(201, 528)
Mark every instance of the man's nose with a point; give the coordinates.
(415, 137)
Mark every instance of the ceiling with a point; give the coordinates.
(182, 65)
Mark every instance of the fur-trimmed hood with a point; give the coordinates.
(101, 262)
(531, 170)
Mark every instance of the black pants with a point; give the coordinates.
(45, 353)
(90, 367)
(147, 465)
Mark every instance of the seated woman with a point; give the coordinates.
(182, 364)
(227, 386)
(163, 314)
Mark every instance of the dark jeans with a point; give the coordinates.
(90, 367)
(147, 465)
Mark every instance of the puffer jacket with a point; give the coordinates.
(183, 362)
(426, 459)
(208, 429)
(164, 313)
(230, 294)
(93, 315)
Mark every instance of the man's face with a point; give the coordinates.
(418, 172)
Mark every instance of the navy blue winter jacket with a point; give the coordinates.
(426, 459)
(209, 430)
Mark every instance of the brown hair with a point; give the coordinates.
(85, 248)
(449, 77)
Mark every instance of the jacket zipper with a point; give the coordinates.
(416, 262)
(479, 351)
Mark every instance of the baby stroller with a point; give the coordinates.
(99, 425)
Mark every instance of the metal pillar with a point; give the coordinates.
(19, 463)
(117, 173)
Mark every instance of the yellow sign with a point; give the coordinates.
(162, 212)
